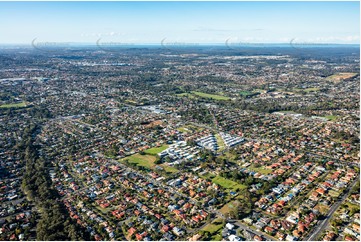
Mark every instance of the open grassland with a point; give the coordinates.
(341, 76)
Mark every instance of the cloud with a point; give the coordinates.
(206, 29)
(111, 34)
(330, 39)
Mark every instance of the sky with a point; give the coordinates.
(179, 22)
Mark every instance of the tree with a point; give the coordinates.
(54, 223)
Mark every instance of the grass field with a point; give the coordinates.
(207, 176)
(245, 93)
(220, 142)
(183, 130)
(141, 160)
(156, 150)
(14, 105)
(310, 89)
(341, 76)
(212, 96)
(214, 226)
(132, 102)
(227, 208)
(194, 94)
(189, 129)
(147, 161)
(261, 170)
(331, 117)
(226, 183)
(217, 237)
(169, 169)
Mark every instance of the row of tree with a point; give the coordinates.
(55, 222)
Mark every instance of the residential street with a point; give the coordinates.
(245, 227)
(323, 224)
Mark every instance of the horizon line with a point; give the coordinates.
(48, 44)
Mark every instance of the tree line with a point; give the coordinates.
(55, 222)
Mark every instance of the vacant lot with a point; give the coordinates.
(341, 76)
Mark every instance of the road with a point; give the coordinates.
(318, 229)
(245, 227)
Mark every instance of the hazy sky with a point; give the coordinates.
(188, 22)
